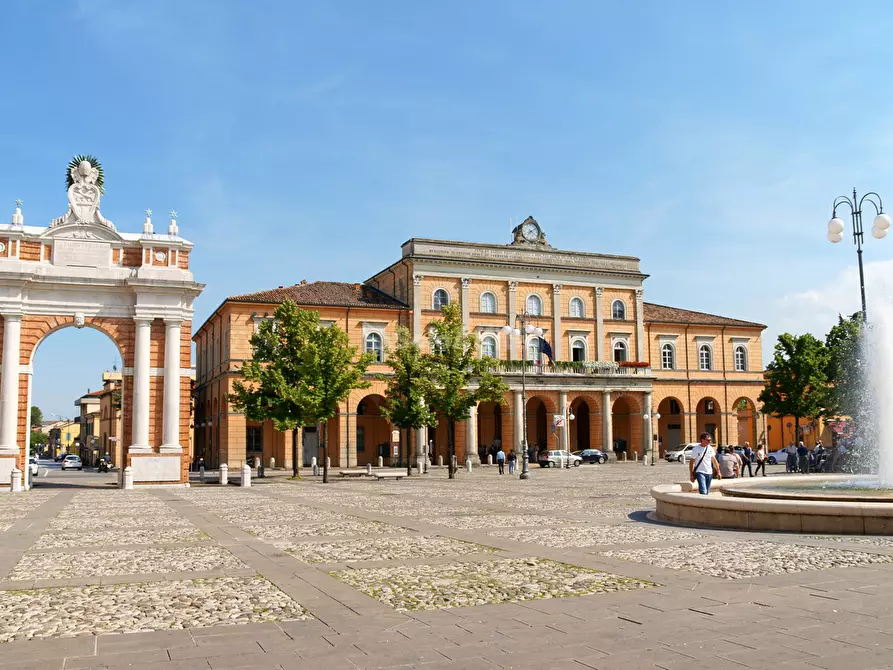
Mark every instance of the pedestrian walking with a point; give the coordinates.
(802, 458)
(512, 460)
(790, 458)
(761, 459)
(500, 461)
(747, 459)
(703, 464)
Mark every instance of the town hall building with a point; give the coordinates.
(619, 361)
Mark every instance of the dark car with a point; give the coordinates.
(592, 456)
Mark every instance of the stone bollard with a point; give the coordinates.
(313, 463)
(636, 456)
(128, 478)
(624, 456)
(489, 459)
(224, 473)
(260, 470)
(440, 461)
(381, 461)
(256, 462)
(468, 464)
(328, 462)
(420, 464)
(369, 469)
(315, 469)
(15, 480)
(272, 463)
(645, 459)
(201, 474)
(246, 475)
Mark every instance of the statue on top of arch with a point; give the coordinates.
(85, 186)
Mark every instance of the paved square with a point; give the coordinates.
(561, 571)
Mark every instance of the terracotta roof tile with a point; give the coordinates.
(322, 293)
(663, 314)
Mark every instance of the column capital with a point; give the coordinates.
(143, 320)
(556, 288)
(639, 294)
(466, 282)
(173, 321)
(417, 280)
(513, 286)
(599, 290)
(12, 316)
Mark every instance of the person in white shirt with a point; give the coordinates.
(703, 464)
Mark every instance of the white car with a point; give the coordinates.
(774, 457)
(557, 458)
(32, 464)
(684, 451)
(72, 461)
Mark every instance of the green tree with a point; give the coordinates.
(328, 373)
(273, 385)
(405, 405)
(38, 438)
(845, 364)
(36, 416)
(458, 380)
(797, 379)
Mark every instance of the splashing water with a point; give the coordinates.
(877, 351)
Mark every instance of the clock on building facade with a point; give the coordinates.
(529, 232)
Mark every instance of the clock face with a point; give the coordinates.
(530, 231)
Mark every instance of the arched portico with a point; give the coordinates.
(709, 414)
(136, 288)
(671, 425)
(746, 421)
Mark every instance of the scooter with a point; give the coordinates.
(103, 466)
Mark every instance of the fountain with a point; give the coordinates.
(850, 504)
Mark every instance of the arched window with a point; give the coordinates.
(619, 352)
(576, 308)
(488, 303)
(705, 357)
(578, 351)
(373, 345)
(441, 299)
(533, 349)
(667, 357)
(618, 310)
(488, 347)
(534, 305)
(740, 359)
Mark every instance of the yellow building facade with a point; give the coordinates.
(618, 361)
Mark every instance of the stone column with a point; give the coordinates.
(9, 384)
(599, 325)
(519, 424)
(512, 343)
(556, 321)
(471, 436)
(142, 344)
(417, 308)
(421, 443)
(640, 326)
(562, 409)
(648, 426)
(466, 307)
(606, 421)
(171, 419)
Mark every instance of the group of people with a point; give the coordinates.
(800, 459)
(707, 463)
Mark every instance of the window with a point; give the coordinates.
(619, 352)
(740, 359)
(667, 357)
(533, 350)
(441, 299)
(488, 347)
(578, 351)
(488, 303)
(674, 407)
(709, 407)
(618, 310)
(254, 438)
(705, 357)
(576, 308)
(361, 439)
(534, 305)
(373, 345)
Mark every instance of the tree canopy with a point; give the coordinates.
(36, 416)
(844, 371)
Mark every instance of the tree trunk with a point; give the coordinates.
(451, 437)
(295, 472)
(408, 452)
(325, 453)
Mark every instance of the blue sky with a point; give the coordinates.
(706, 138)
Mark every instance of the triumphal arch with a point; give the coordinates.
(81, 272)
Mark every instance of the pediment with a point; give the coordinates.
(82, 232)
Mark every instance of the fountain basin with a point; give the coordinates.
(804, 504)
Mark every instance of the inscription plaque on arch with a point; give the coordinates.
(82, 253)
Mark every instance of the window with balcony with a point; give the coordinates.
(620, 352)
(533, 350)
(488, 347)
(578, 351)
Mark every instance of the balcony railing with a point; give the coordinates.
(588, 368)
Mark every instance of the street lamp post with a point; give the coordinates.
(648, 418)
(878, 229)
(527, 329)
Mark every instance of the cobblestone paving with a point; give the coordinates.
(122, 537)
(479, 521)
(489, 582)
(587, 536)
(381, 549)
(739, 560)
(325, 529)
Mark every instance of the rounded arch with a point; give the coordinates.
(440, 298)
(29, 349)
(577, 308)
(740, 358)
(534, 301)
(489, 429)
(540, 409)
(372, 430)
(746, 420)
(580, 429)
(618, 310)
(489, 304)
(490, 346)
(709, 419)
(671, 426)
(579, 349)
(705, 357)
(668, 356)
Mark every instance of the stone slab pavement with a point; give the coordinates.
(427, 573)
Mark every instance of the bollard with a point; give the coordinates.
(201, 474)
(256, 462)
(381, 461)
(636, 456)
(128, 478)
(315, 469)
(468, 464)
(455, 461)
(489, 459)
(260, 470)
(645, 459)
(369, 469)
(15, 480)
(272, 463)
(624, 455)
(246, 475)
(313, 464)
(328, 462)
(440, 461)
(420, 464)
(224, 473)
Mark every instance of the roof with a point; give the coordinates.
(323, 293)
(663, 314)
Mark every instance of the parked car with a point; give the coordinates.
(33, 465)
(72, 461)
(557, 458)
(592, 455)
(775, 457)
(683, 450)
(60, 457)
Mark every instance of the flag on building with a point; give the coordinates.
(546, 348)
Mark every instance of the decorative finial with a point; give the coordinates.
(149, 212)
(173, 214)
(18, 203)
(172, 228)
(17, 218)
(147, 224)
